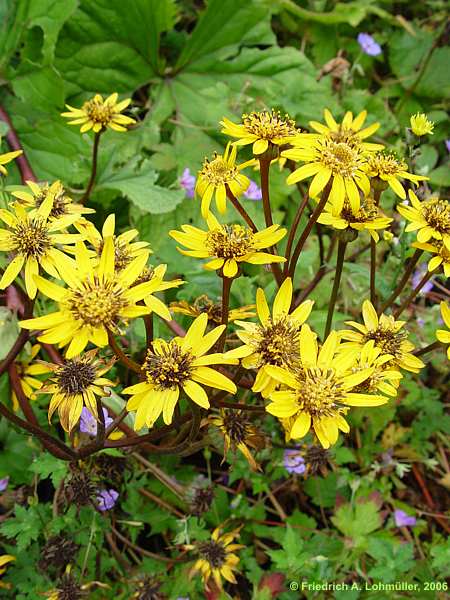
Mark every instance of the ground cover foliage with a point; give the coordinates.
(86, 512)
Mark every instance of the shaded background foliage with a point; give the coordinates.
(187, 64)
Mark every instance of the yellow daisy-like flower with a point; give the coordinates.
(320, 391)
(5, 559)
(216, 557)
(342, 163)
(229, 245)
(387, 335)
(349, 131)
(390, 169)
(383, 378)
(181, 364)
(124, 248)
(440, 255)
(33, 242)
(275, 339)
(368, 217)
(7, 158)
(420, 125)
(27, 369)
(218, 174)
(63, 205)
(238, 433)
(76, 383)
(96, 300)
(98, 114)
(441, 334)
(213, 310)
(430, 218)
(261, 129)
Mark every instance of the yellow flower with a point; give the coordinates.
(229, 245)
(441, 334)
(342, 163)
(203, 304)
(441, 255)
(430, 218)
(76, 383)
(388, 168)
(274, 341)
(98, 114)
(63, 205)
(5, 559)
(216, 557)
(368, 217)
(420, 125)
(261, 129)
(7, 158)
(26, 370)
(320, 391)
(238, 433)
(388, 336)
(181, 364)
(218, 174)
(32, 241)
(125, 250)
(383, 378)
(96, 300)
(349, 131)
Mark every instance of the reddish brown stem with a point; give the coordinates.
(25, 169)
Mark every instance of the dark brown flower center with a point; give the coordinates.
(230, 241)
(279, 343)
(30, 238)
(169, 367)
(213, 552)
(75, 376)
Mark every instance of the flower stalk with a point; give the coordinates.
(91, 182)
(337, 280)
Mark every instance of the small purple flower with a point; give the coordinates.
(447, 145)
(402, 519)
(293, 462)
(88, 423)
(368, 44)
(4, 483)
(106, 499)
(253, 192)
(187, 181)
(417, 278)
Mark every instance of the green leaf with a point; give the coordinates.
(109, 46)
(357, 521)
(226, 25)
(24, 527)
(139, 186)
(440, 176)
(8, 330)
(47, 466)
(322, 491)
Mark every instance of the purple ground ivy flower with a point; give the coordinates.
(187, 181)
(368, 44)
(417, 278)
(4, 483)
(293, 462)
(447, 145)
(88, 423)
(253, 192)
(402, 519)
(106, 499)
